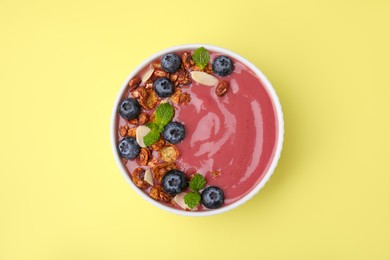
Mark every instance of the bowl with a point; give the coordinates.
(279, 118)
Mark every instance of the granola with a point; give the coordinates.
(222, 88)
(123, 130)
(134, 83)
(157, 193)
(158, 145)
(143, 118)
(131, 132)
(148, 98)
(157, 151)
(143, 157)
(169, 153)
(215, 173)
(138, 178)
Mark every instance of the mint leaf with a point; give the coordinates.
(197, 182)
(192, 199)
(201, 57)
(151, 137)
(152, 126)
(164, 114)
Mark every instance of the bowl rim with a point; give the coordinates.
(280, 137)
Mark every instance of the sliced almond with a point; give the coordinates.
(140, 133)
(147, 75)
(148, 177)
(204, 78)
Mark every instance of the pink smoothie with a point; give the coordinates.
(235, 134)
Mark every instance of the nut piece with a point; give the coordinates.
(142, 92)
(160, 169)
(135, 94)
(156, 64)
(157, 146)
(158, 193)
(124, 160)
(149, 84)
(138, 178)
(183, 78)
(152, 163)
(123, 130)
(143, 118)
(204, 78)
(186, 60)
(144, 156)
(215, 173)
(174, 77)
(208, 69)
(132, 132)
(185, 98)
(147, 75)
(176, 96)
(134, 121)
(222, 88)
(148, 98)
(159, 73)
(148, 177)
(134, 83)
(169, 153)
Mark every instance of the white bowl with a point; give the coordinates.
(273, 97)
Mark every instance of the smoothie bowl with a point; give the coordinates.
(197, 130)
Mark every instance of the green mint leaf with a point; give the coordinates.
(201, 57)
(151, 137)
(192, 199)
(164, 114)
(197, 182)
(153, 126)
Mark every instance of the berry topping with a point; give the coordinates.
(222, 66)
(174, 132)
(163, 87)
(171, 63)
(174, 182)
(128, 148)
(129, 108)
(212, 197)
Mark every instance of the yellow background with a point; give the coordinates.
(62, 64)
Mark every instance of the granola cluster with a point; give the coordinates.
(160, 157)
(157, 159)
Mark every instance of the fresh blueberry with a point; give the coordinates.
(174, 132)
(170, 63)
(223, 66)
(174, 182)
(212, 197)
(163, 87)
(129, 108)
(128, 148)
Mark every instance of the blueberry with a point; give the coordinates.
(212, 197)
(174, 182)
(174, 132)
(223, 66)
(163, 87)
(170, 63)
(129, 108)
(128, 148)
